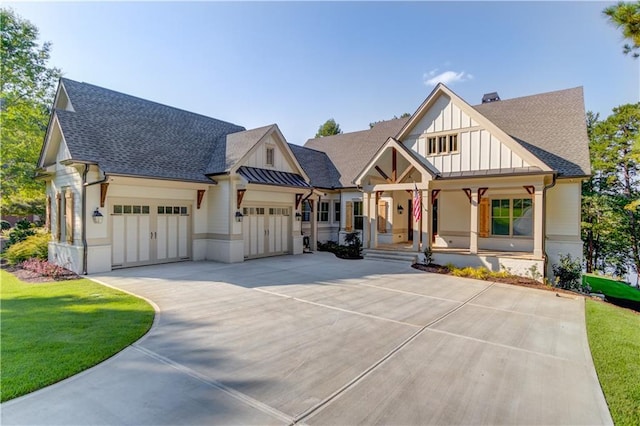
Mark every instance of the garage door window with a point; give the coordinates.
(126, 209)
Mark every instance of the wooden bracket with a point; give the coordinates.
(530, 189)
(239, 197)
(378, 195)
(394, 165)
(481, 192)
(310, 205)
(434, 195)
(468, 192)
(103, 193)
(405, 173)
(298, 200)
(200, 197)
(383, 174)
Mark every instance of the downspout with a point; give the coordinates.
(84, 219)
(84, 215)
(544, 222)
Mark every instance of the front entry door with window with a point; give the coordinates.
(148, 233)
(266, 231)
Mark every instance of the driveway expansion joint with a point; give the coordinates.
(322, 404)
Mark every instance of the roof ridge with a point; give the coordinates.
(518, 98)
(63, 79)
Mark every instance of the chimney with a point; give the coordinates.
(490, 97)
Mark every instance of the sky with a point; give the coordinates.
(298, 64)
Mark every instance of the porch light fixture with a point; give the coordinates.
(400, 209)
(97, 216)
(298, 216)
(239, 216)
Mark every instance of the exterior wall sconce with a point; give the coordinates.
(239, 216)
(298, 216)
(97, 216)
(400, 209)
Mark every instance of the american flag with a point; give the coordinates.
(417, 204)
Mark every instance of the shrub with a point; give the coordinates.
(567, 273)
(46, 269)
(428, 256)
(34, 246)
(354, 245)
(23, 230)
(4, 225)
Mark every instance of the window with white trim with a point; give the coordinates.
(512, 217)
(323, 211)
(443, 144)
(358, 217)
(336, 212)
(270, 156)
(306, 211)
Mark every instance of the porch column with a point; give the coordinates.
(426, 218)
(473, 231)
(313, 239)
(373, 223)
(366, 226)
(538, 227)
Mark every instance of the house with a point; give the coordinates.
(131, 182)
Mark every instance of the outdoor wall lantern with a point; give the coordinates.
(239, 216)
(400, 209)
(298, 216)
(97, 216)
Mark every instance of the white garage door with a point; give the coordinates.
(266, 231)
(147, 233)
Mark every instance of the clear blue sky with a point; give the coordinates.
(298, 64)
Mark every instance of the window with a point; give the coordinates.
(442, 144)
(323, 211)
(336, 211)
(512, 217)
(432, 148)
(306, 211)
(270, 155)
(358, 218)
(453, 143)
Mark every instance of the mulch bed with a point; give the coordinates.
(513, 280)
(27, 276)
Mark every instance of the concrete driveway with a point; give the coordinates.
(318, 340)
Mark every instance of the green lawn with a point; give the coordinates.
(610, 287)
(54, 330)
(614, 339)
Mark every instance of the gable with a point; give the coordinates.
(468, 145)
(50, 153)
(258, 157)
(266, 139)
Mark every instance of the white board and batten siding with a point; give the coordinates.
(478, 149)
(258, 158)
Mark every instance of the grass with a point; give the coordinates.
(53, 330)
(611, 287)
(614, 339)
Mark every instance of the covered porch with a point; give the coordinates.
(493, 219)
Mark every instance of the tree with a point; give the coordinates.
(330, 127)
(403, 115)
(611, 224)
(27, 88)
(627, 16)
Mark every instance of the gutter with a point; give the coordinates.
(84, 214)
(544, 221)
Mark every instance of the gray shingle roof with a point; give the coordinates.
(272, 177)
(350, 152)
(133, 136)
(317, 165)
(232, 147)
(550, 125)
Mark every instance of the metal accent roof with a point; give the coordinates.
(272, 177)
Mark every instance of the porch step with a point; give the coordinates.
(391, 256)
